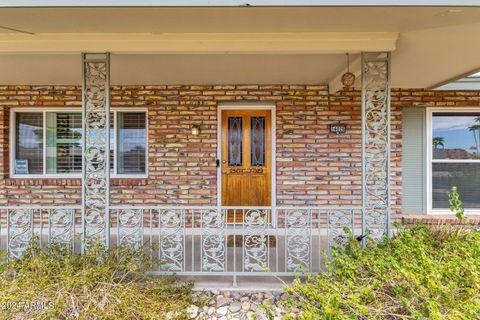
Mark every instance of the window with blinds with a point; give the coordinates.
(64, 143)
(131, 134)
(50, 143)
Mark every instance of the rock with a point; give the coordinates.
(237, 295)
(222, 310)
(240, 305)
(222, 300)
(192, 311)
(235, 307)
(211, 311)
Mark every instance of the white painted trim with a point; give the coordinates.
(248, 106)
(429, 160)
(188, 43)
(115, 175)
(231, 3)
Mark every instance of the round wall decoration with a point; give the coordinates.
(348, 78)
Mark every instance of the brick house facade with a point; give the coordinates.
(313, 166)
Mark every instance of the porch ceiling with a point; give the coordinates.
(234, 20)
(237, 45)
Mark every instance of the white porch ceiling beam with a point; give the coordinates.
(291, 42)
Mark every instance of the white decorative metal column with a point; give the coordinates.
(376, 144)
(96, 127)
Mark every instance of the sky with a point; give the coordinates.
(454, 130)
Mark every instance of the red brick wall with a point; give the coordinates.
(313, 165)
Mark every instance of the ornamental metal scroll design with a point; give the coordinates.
(298, 229)
(20, 231)
(257, 141)
(235, 146)
(339, 224)
(130, 228)
(61, 228)
(255, 242)
(376, 144)
(171, 249)
(96, 149)
(213, 240)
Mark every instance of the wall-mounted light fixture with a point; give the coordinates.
(195, 130)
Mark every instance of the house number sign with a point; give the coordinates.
(338, 128)
(248, 170)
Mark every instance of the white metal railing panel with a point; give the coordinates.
(191, 240)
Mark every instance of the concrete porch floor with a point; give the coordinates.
(244, 283)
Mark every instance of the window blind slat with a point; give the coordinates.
(131, 142)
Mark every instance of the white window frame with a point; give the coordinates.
(430, 160)
(44, 111)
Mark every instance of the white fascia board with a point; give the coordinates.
(231, 3)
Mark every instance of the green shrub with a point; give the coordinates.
(102, 284)
(422, 273)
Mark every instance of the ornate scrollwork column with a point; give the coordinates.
(376, 144)
(96, 127)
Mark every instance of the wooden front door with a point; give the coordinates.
(246, 158)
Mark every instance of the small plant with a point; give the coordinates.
(456, 205)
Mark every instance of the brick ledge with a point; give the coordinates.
(439, 219)
(28, 182)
